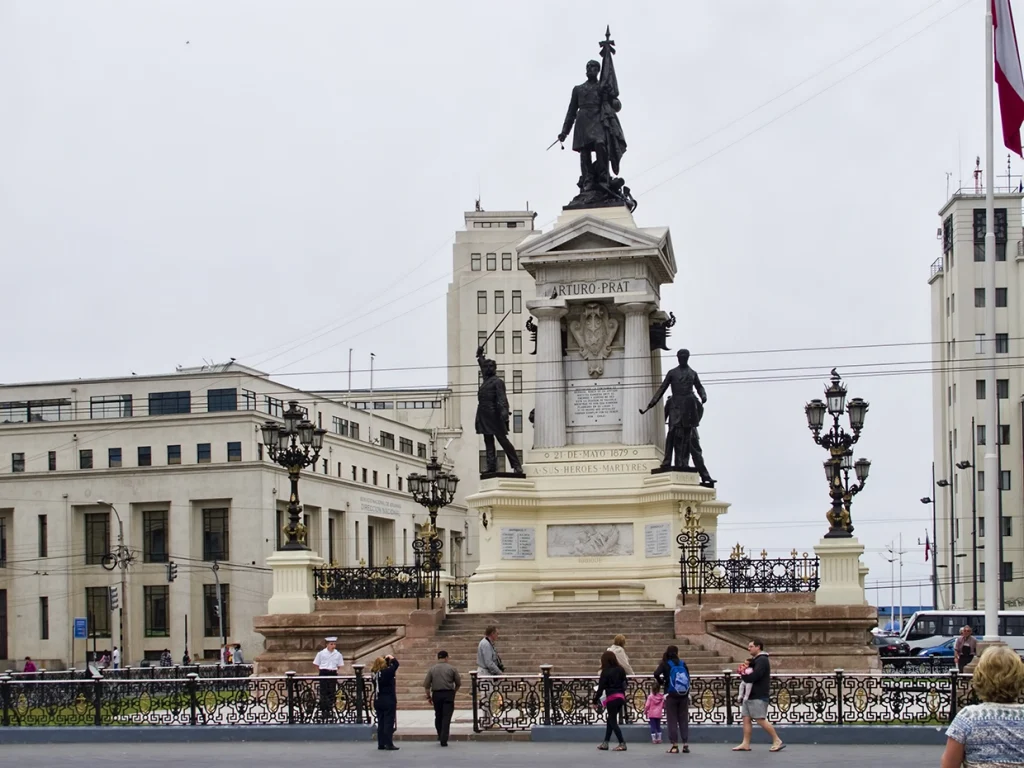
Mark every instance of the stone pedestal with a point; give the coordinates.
(293, 581)
(983, 645)
(841, 572)
(588, 527)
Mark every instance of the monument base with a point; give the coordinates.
(588, 527)
(491, 475)
(842, 579)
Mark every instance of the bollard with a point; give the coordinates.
(360, 695)
(476, 713)
(839, 696)
(953, 675)
(728, 696)
(289, 686)
(5, 698)
(545, 672)
(193, 703)
(97, 718)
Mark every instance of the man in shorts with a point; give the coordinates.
(759, 675)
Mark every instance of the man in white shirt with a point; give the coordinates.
(328, 660)
(116, 659)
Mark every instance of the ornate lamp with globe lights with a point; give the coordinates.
(294, 446)
(434, 490)
(839, 444)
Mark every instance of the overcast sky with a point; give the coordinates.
(185, 180)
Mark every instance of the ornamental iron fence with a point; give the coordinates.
(458, 596)
(192, 700)
(519, 702)
(421, 580)
(221, 671)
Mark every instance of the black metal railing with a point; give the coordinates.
(220, 671)
(255, 701)
(519, 702)
(458, 596)
(389, 581)
(918, 665)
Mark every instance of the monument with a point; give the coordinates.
(594, 517)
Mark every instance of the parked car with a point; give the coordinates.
(943, 649)
(891, 645)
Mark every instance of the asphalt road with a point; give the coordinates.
(458, 755)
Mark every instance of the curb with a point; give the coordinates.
(919, 735)
(184, 733)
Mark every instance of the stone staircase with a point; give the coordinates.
(570, 641)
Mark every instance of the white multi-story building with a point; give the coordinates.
(960, 433)
(177, 460)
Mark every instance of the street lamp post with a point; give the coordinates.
(294, 446)
(839, 444)
(434, 490)
(974, 527)
(121, 560)
(935, 545)
(952, 540)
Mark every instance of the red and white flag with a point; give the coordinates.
(927, 546)
(1009, 78)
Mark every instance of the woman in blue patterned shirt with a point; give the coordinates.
(990, 733)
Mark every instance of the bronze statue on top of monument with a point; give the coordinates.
(684, 411)
(598, 136)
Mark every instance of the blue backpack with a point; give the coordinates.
(678, 678)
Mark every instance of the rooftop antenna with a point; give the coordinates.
(977, 175)
(949, 175)
(1008, 187)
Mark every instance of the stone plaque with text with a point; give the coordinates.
(517, 543)
(657, 539)
(597, 403)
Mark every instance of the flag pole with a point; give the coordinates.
(991, 462)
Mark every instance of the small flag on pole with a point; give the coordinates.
(927, 546)
(1008, 75)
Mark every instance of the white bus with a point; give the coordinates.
(926, 629)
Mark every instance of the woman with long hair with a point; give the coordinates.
(674, 677)
(386, 703)
(611, 693)
(989, 733)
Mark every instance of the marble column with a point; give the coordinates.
(549, 419)
(637, 386)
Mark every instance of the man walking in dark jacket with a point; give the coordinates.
(441, 683)
(759, 675)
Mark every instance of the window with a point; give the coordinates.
(1013, 626)
(979, 297)
(481, 302)
(156, 599)
(353, 473)
(165, 403)
(481, 339)
(979, 344)
(97, 537)
(275, 407)
(110, 407)
(979, 389)
(517, 382)
(405, 446)
(381, 406)
(1007, 574)
(97, 609)
(214, 611)
(387, 440)
(174, 454)
(399, 482)
(202, 453)
(1007, 525)
(517, 421)
(492, 262)
(51, 461)
(1004, 480)
(145, 456)
(517, 342)
(365, 475)
(499, 342)
(981, 487)
(506, 258)
(3, 543)
(1002, 343)
(500, 373)
(234, 451)
(17, 462)
(44, 618)
(1003, 388)
(483, 461)
(474, 262)
(341, 426)
(1000, 297)
(43, 536)
(1004, 434)
(215, 534)
(375, 477)
(499, 302)
(517, 302)
(85, 459)
(248, 400)
(154, 536)
(947, 306)
(980, 228)
(980, 436)
(354, 430)
(421, 450)
(222, 400)
(981, 572)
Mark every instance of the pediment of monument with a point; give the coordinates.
(591, 235)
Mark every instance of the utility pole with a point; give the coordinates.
(220, 603)
(122, 559)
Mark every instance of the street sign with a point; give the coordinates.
(81, 629)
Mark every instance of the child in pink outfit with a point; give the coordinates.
(653, 710)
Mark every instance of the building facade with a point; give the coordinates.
(176, 463)
(959, 392)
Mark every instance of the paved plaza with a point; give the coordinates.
(458, 755)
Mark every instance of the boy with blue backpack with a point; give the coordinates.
(674, 676)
